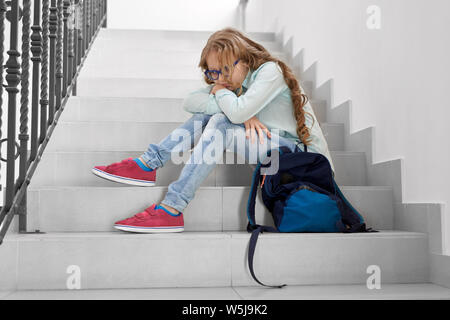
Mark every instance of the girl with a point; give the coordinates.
(250, 93)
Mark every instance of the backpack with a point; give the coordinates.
(302, 196)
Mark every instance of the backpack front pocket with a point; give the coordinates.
(307, 210)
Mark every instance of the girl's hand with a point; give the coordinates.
(216, 88)
(252, 125)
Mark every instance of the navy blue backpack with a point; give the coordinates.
(302, 196)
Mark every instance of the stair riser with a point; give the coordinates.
(144, 71)
(212, 209)
(74, 169)
(132, 263)
(151, 64)
(134, 44)
(138, 109)
(123, 136)
(152, 35)
(124, 261)
(137, 88)
(113, 109)
(325, 261)
(141, 88)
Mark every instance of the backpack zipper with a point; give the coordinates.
(303, 186)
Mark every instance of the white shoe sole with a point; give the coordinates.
(112, 177)
(149, 229)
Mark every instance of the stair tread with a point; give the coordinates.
(337, 152)
(73, 98)
(209, 234)
(173, 122)
(203, 187)
(426, 290)
(169, 31)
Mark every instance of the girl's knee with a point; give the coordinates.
(218, 120)
(200, 117)
(219, 117)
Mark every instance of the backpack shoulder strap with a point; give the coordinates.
(254, 228)
(251, 252)
(252, 198)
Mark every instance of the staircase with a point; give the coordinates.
(127, 74)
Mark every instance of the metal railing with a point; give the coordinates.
(56, 48)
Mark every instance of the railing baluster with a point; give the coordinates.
(13, 80)
(69, 70)
(36, 49)
(92, 21)
(59, 55)
(105, 13)
(100, 11)
(2, 49)
(88, 24)
(79, 27)
(53, 27)
(66, 4)
(95, 14)
(55, 47)
(44, 69)
(83, 23)
(75, 38)
(23, 131)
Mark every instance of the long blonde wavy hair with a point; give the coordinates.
(230, 42)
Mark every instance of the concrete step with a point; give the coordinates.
(136, 42)
(141, 109)
(146, 64)
(213, 208)
(152, 35)
(210, 259)
(145, 87)
(409, 291)
(125, 136)
(73, 168)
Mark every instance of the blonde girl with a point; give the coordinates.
(250, 94)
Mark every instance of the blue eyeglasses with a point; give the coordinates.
(214, 74)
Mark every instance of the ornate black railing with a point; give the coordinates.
(61, 36)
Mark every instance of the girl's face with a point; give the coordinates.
(239, 73)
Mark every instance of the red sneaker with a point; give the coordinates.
(154, 219)
(127, 171)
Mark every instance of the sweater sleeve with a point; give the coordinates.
(201, 101)
(268, 83)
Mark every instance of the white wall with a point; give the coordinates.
(397, 76)
(206, 15)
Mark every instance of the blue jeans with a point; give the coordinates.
(217, 133)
